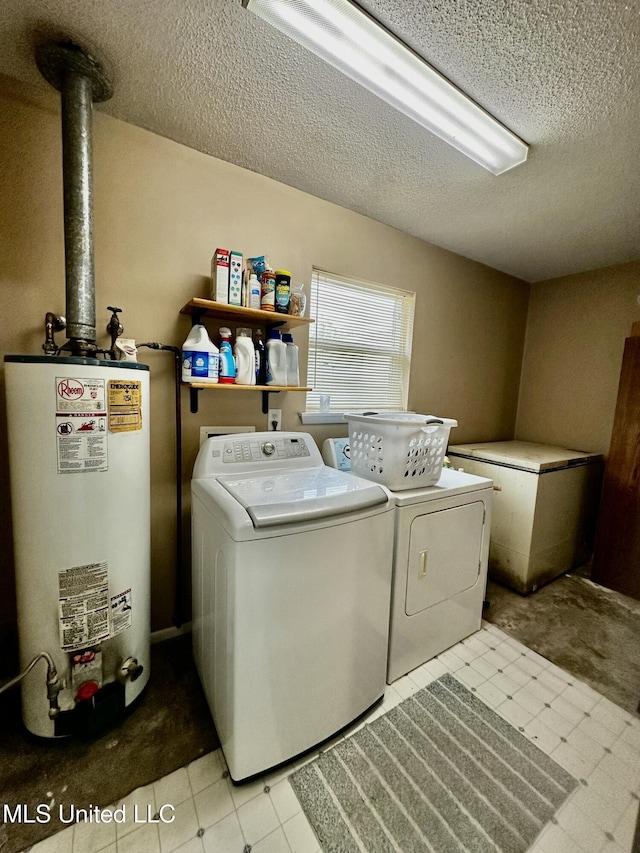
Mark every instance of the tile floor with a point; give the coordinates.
(595, 740)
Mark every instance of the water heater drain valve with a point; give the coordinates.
(130, 668)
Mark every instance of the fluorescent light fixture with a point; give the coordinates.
(347, 38)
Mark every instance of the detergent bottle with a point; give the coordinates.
(261, 358)
(276, 359)
(245, 358)
(293, 371)
(227, 362)
(253, 288)
(200, 357)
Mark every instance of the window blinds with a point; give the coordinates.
(360, 344)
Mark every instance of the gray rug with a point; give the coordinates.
(440, 772)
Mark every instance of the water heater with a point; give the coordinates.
(79, 463)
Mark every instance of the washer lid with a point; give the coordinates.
(289, 497)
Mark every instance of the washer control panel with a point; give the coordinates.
(264, 450)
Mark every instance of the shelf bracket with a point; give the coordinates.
(197, 317)
(265, 401)
(193, 397)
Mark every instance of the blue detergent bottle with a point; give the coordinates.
(227, 361)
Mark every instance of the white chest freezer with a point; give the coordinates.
(544, 507)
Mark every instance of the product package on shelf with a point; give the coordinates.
(276, 359)
(220, 275)
(245, 356)
(253, 292)
(251, 282)
(235, 278)
(282, 291)
(297, 300)
(268, 291)
(227, 361)
(293, 370)
(200, 357)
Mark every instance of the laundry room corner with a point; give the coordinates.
(157, 212)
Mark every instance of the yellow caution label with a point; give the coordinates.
(124, 405)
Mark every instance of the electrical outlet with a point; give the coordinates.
(274, 419)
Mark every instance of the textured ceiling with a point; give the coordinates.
(563, 75)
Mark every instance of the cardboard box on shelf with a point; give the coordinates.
(220, 275)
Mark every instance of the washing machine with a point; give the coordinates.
(292, 567)
(441, 547)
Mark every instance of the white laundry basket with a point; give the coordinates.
(398, 450)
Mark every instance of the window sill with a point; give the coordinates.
(322, 417)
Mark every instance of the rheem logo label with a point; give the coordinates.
(70, 389)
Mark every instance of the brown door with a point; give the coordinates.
(616, 558)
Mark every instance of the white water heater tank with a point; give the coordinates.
(79, 463)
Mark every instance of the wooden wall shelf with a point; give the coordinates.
(199, 309)
(236, 314)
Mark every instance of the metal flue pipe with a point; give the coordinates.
(81, 81)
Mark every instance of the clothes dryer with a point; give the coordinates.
(441, 547)
(439, 568)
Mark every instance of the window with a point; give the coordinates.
(359, 345)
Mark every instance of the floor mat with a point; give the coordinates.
(440, 772)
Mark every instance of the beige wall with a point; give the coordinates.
(160, 211)
(575, 337)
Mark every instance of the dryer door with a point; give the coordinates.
(444, 555)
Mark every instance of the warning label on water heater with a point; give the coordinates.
(81, 425)
(83, 606)
(120, 612)
(125, 405)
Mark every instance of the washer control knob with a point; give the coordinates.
(268, 448)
